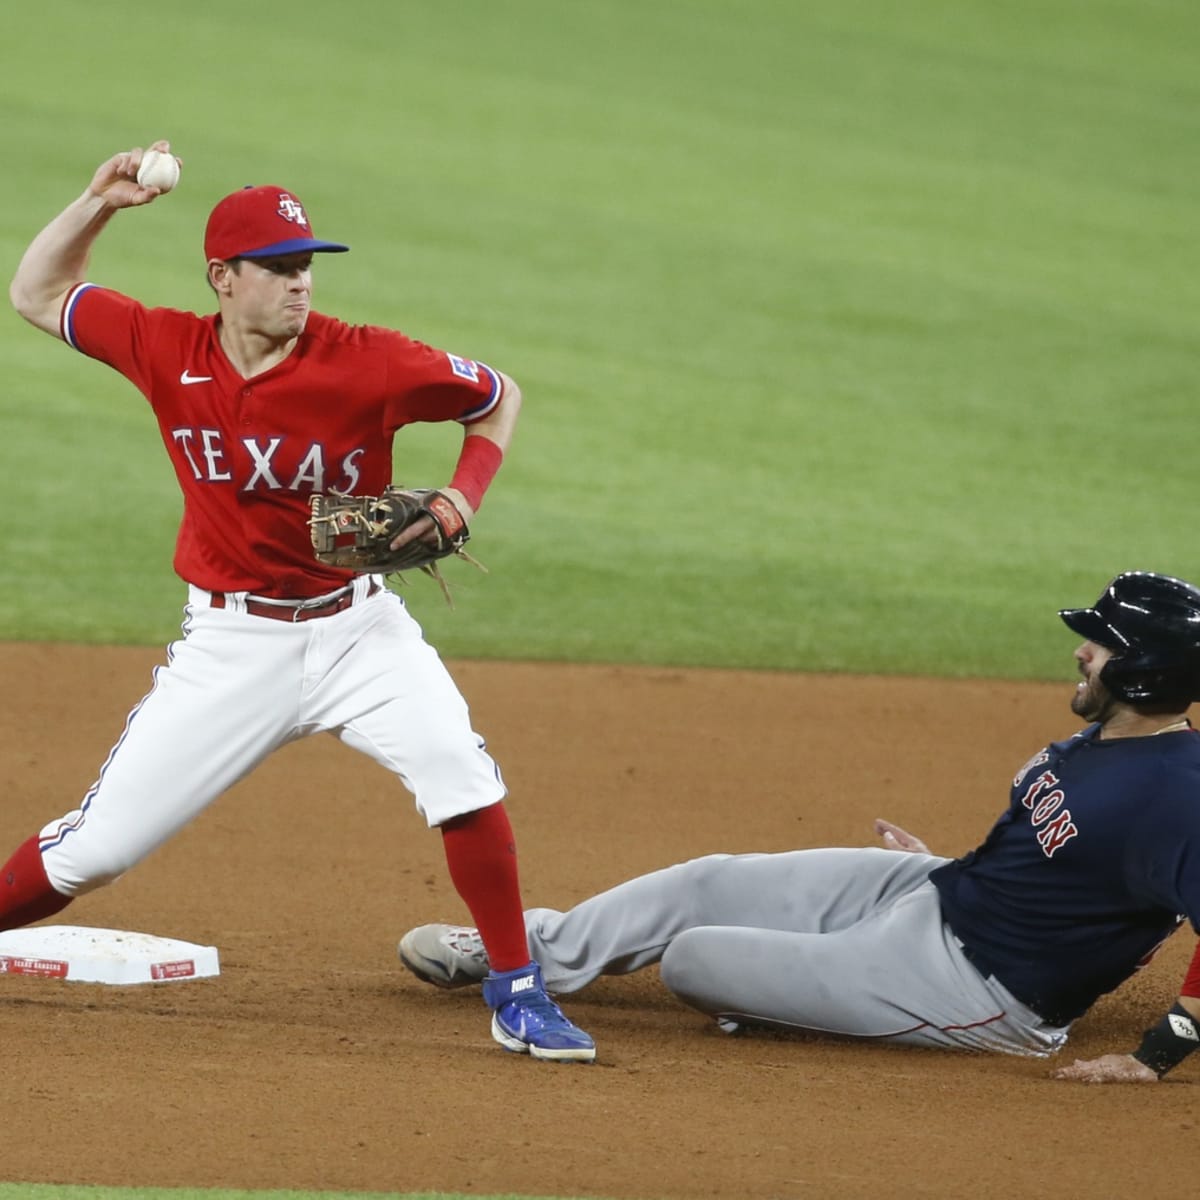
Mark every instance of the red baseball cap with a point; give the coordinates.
(259, 222)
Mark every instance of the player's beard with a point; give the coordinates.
(1093, 701)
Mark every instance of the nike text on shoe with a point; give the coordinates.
(526, 1021)
(448, 956)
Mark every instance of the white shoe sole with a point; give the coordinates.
(516, 1046)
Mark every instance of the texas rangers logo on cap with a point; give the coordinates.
(261, 222)
(290, 209)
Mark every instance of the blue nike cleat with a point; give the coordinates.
(526, 1021)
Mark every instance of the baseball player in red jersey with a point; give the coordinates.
(261, 405)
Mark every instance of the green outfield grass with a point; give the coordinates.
(854, 336)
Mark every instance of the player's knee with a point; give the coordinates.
(440, 763)
(685, 963)
(447, 783)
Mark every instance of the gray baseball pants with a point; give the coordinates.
(839, 941)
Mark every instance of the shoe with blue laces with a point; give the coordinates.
(526, 1021)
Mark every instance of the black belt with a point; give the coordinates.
(301, 610)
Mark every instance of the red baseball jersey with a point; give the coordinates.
(249, 453)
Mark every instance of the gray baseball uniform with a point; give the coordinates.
(1083, 877)
(841, 941)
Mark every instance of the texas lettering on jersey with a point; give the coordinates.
(250, 452)
(211, 461)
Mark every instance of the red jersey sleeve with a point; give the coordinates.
(110, 327)
(1191, 982)
(427, 384)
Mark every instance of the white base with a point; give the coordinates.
(86, 955)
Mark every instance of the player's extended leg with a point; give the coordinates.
(215, 710)
(897, 975)
(629, 926)
(392, 698)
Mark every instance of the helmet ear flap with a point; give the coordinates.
(1161, 690)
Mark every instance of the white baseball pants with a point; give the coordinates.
(237, 687)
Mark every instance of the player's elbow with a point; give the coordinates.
(510, 394)
(507, 410)
(18, 297)
(40, 311)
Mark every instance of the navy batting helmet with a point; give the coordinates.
(1151, 623)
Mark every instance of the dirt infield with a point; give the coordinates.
(315, 1062)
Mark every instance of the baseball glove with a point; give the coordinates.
(356, 532)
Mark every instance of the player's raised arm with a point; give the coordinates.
(57, 257)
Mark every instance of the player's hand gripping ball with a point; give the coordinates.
(159, 169)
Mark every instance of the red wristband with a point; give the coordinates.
(1191, 984)
(477, 466)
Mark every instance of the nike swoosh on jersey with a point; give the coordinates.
(186, 378)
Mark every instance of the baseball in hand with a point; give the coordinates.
(159, 169)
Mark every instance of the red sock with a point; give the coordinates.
(25, 892)
(482, 858)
